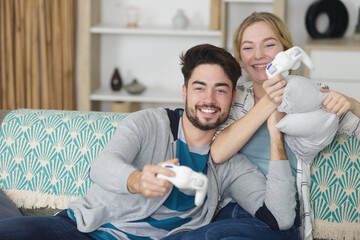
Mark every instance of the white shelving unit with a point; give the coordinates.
(151, 72)
(148, 53)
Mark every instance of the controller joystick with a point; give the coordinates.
(186, 178)
(289, 59)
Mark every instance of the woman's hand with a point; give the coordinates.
(338, 103)
(274, 88)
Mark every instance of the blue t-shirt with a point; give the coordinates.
(178, 209)
(257, 149)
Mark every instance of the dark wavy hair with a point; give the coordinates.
(209, 54)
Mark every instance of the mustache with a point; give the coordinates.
(208, 106)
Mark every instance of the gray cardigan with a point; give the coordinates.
(148, 137)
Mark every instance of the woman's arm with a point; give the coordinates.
(235, 136)
(271, 199)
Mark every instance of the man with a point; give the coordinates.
(129, 201)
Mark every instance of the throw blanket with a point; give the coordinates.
(335, 190)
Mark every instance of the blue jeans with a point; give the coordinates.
(234, 223)
(59, 227)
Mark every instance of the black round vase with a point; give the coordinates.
(337, 14)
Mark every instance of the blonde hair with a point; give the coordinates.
(278, 26)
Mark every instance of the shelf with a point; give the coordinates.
(341, 44)
(150, 95)
(161, 31)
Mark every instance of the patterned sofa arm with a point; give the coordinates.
(45, 155)
(335, 190)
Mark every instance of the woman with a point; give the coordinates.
(257, 41)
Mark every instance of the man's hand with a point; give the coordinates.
(147, 183)
(274, 88)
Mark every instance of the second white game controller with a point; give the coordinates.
(186, 178)
(289, 59)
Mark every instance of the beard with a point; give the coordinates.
(194, 119)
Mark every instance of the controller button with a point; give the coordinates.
(272, 70)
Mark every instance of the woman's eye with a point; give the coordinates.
(270, 45)
(246, 48)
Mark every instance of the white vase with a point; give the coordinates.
(180, 21)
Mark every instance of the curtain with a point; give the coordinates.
(37, 39)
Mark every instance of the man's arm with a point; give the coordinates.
(125, 153)
(272, 198)
(272, 205)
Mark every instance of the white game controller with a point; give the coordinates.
(186, 178)
(289, 59)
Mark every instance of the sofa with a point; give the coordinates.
(45, 156)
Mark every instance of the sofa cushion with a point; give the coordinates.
(335, 189)
(45, 155)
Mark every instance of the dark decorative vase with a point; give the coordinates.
(116, 81)
(337, 14)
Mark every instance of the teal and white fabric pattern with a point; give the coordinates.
(335, 189)
(45, 155)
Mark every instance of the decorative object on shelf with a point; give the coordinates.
(337, 14)
(135, 87)
(132, 17)
(116, 81)
(356, 35)
(180, 21)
